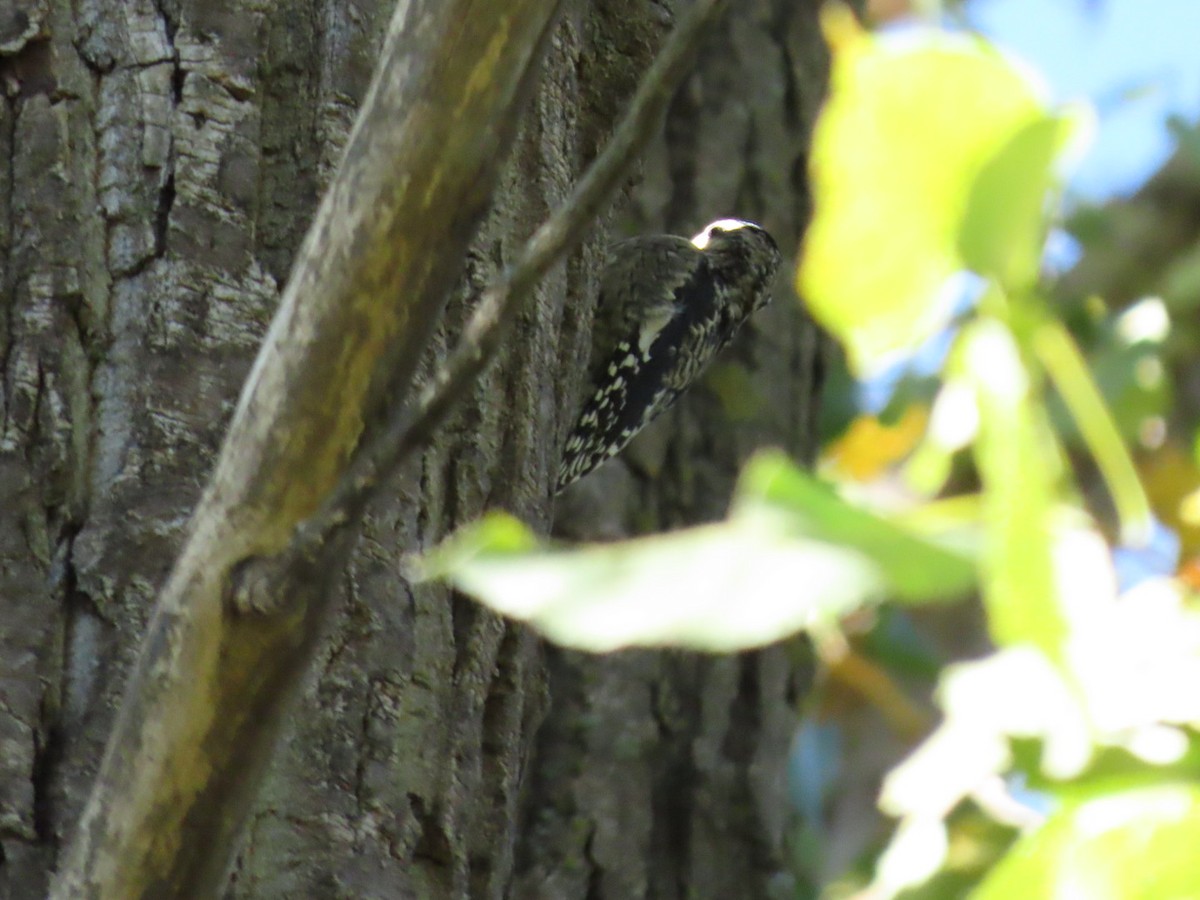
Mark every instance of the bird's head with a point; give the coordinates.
(741, 253)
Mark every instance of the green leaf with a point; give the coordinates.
(1018, 462)
(915, 568)
(725, 587)
(497, 535)
(792, 556)
(1067, 368)
(897, 156)
(1125, 845)
(1003, 226)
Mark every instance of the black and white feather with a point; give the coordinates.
(667, 307)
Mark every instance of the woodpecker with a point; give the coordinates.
(667, 307)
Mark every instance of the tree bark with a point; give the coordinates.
(661, 774)
(162, 162)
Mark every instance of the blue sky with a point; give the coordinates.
(1136, 61)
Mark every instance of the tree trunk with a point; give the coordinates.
(161, 163)
(661, 774)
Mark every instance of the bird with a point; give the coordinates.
(668, 305)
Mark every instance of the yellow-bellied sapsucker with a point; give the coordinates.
(667, 307)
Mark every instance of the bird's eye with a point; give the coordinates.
(716, 231)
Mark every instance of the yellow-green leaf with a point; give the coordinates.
(911, 124)
(1003, 227)
(1019, 463)
(1137, 844)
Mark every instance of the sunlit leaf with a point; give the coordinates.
(915, 568)
(1018, 462)
(910, 125)
(1137, 844)
(976, 843)
(1113, 716)
(793, 555)
(722, 587)
(953, 425)
(1004, 223)
(1135, 662)
(1067, 368)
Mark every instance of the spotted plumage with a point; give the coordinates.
(667, 307)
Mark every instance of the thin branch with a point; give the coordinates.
(411, 426)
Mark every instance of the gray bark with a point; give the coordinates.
(661, 774)
(161, 163)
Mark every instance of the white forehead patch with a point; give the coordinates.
(701, 240)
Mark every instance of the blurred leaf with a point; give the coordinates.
(976, 842)
(915, 568)
(497, 535)
(793, 555)
(1171, 476)
(913, 387)
(1005, 219)
(1180, 284)
(953, 426)
(742, 583)
(1135, 663)
(869, 447)
(1068, 370)
(1116, 714)
(1017, 459)
(1015, 692)
(909, 126)
(1111, 769)
(1125, 845)
(1186, 134)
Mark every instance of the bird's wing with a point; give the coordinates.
(653, 294)
(638, 290)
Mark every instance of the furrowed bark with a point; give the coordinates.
(202, 709)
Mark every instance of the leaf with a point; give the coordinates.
(870, 446)
(1125, 845)
(915, 568)
(921, 139)
(1003, 225)
(739, 584)
(1018, 462)
(1066, 367)
(792, 556)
